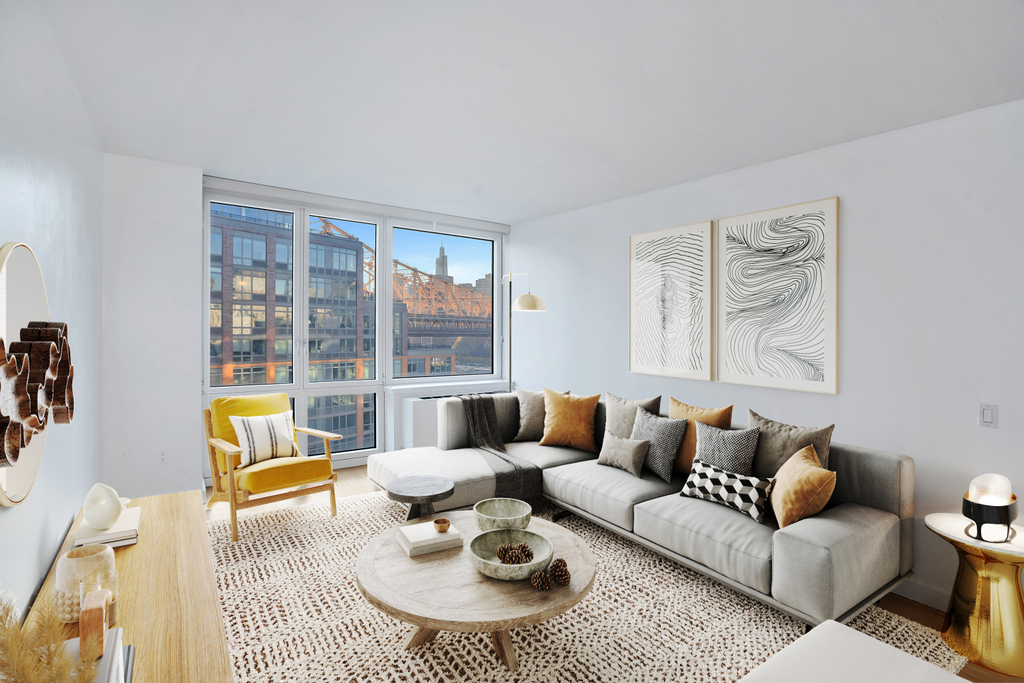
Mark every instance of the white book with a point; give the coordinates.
(424, 534)
(111, 664)
(427, 549)
(126, 527)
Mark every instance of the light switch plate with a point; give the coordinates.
(988, 415)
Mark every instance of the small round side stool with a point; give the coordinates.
(420, 492)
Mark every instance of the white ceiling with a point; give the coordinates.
(509, 111)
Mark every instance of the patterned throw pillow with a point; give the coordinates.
(265, 437)
(749, 495)
(731, 450)
(665, 435)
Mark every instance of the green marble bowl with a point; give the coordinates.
(502, 513)
(483, 553)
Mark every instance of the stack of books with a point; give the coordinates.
(420, 539)
(124, 532)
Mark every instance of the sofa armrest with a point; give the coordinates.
(881, 480)
(826, 564)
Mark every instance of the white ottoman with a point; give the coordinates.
(839, 654)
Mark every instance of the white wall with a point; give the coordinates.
(51, 169)
(931, 271)
(152, 322)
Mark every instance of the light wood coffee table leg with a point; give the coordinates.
(504, 649)
(420, 636)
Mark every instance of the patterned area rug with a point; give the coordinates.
(292, 612)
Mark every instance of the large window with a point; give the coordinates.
(443, 304)
(239, 272)
(296, 310)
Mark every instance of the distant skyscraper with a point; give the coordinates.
(441, 266)
(441, 262)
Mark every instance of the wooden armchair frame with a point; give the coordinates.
(240, 499)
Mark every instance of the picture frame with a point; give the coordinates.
(671, 298)
(778, 297)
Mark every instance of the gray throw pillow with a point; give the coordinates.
(622, 413)
(626, 454)
(665, 435)
(779, 441)
(531, 415)
(731, 450)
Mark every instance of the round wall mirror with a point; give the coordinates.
(22, 299)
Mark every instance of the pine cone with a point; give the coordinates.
(560, 572)
(541, 581)
(526, 551)
(503, 553)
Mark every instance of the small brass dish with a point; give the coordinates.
(441, 524)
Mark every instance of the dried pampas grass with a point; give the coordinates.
(35, 653)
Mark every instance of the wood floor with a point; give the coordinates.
(352, 481)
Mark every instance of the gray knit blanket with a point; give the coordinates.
(513, 477)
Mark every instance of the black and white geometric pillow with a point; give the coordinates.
(665, 435)
(731, 450)
(749, 495)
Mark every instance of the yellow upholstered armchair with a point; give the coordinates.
(303, 475)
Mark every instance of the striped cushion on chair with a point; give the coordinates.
(265, 437)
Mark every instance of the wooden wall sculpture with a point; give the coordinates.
(36, 385)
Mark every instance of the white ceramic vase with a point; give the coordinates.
(72, 567)
(102, 507)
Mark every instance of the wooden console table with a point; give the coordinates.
(168, 605)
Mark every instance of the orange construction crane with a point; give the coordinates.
(422, 293)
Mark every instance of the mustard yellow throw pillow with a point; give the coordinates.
(716, 417)
(569, 420)
(802, 487)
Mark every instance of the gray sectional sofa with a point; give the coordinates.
(829, 566)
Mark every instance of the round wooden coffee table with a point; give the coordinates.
(443, 592)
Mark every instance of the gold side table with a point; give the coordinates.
(985, 620)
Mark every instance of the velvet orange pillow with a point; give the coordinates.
(802, 487)
(569, 420)
(716, 417)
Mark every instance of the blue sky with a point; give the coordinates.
(468, 259)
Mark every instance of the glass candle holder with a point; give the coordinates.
(105, 580)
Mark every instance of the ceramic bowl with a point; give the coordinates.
(483, 553)
(502, 513)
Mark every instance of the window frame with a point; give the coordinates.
(302, 205)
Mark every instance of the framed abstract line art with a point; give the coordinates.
(670, 299)
(778, 297)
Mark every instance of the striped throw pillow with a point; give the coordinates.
(265, 437)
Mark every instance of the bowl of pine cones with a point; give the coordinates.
(510, 554)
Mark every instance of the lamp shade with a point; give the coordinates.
(990, 489)
(529, 302)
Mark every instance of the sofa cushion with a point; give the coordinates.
(531, 414)
(569, 420)
(605, 492)
(626, 454)
(731, 450)
(802, 487)
(466, 467)
(716, 417)
(621, 412)
(546, 456)
(826, 564)
(725, 540)
(665, 435)
(778, 441)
